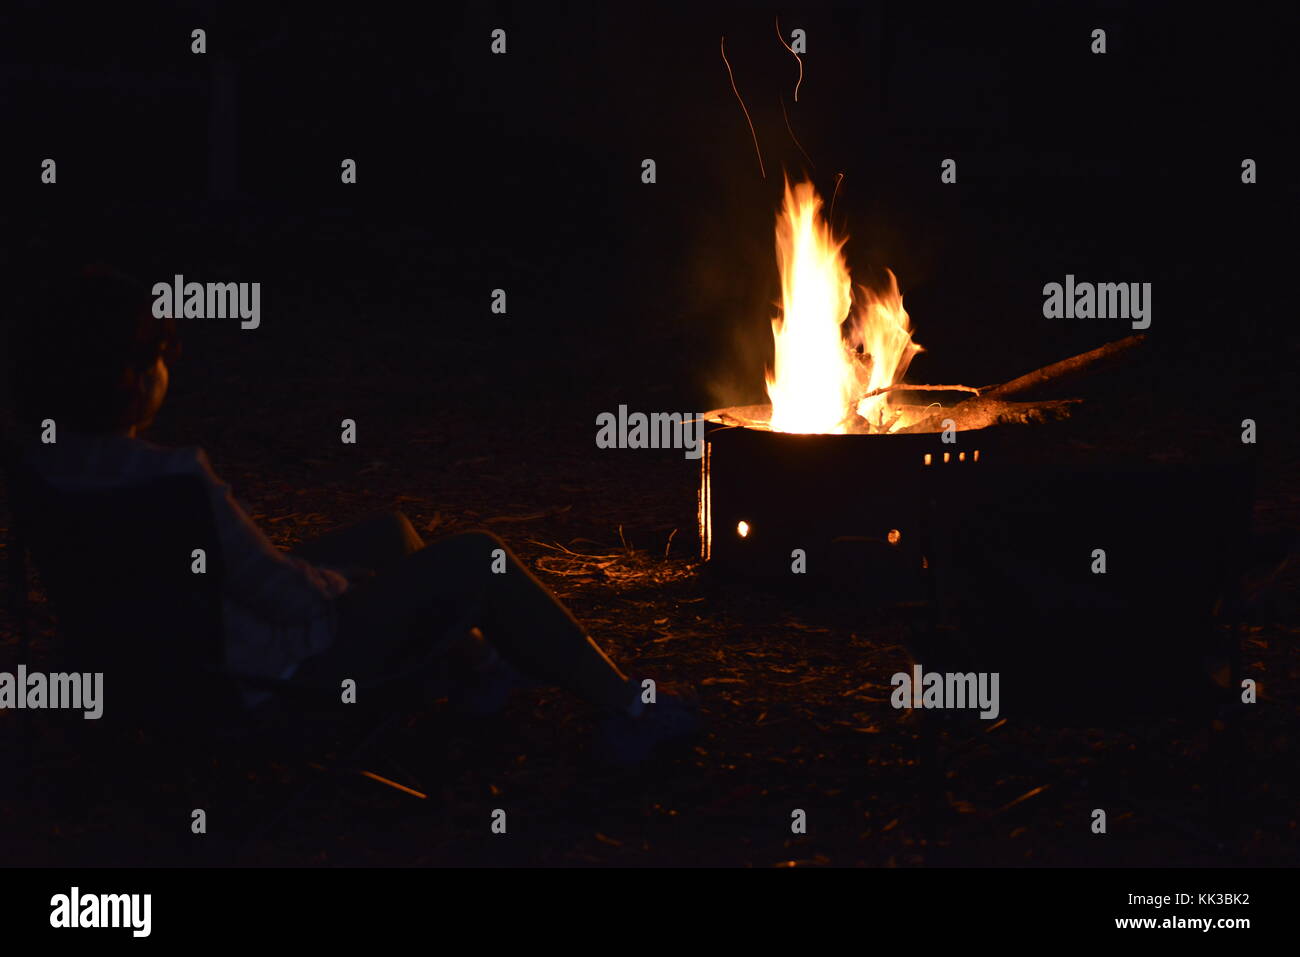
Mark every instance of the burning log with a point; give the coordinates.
(982, 412)
(972, 414)
(990, 408)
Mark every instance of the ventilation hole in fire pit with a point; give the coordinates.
(929, 459)
(977, 455)
(742, 529)
(961, 456)
(893, 536)
(947, 457)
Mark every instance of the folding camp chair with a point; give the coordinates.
(137, 603)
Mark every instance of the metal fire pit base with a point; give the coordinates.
(996, 524)
(815, 510)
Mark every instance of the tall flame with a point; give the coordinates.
(824, 366)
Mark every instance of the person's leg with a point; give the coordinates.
(437, 594)
(472, 580)
(366, 650)
(376, 543)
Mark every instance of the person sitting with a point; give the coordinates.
(351, 604)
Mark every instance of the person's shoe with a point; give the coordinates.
(624, 741)
(486, 691)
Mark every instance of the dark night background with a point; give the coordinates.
(523, 172)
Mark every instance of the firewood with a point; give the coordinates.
(982, 412)
(974, 410)
(1085, 362)
(908, 387)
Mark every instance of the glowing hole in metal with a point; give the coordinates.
(947, 456)
(893, 536)
(929, 459)
(961, 456)
(742, 529)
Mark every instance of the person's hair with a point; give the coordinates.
(81, 353)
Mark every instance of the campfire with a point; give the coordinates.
(833, 458)
(839, 362)
(834, 361)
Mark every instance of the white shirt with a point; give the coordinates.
(278, 609)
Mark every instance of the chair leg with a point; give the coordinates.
(435, 666)
(1227, 745)
(20, 603)
(277, 818)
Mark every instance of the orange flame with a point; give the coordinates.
(824, 366)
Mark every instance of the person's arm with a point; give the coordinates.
(277, 587)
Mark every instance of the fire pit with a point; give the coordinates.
(792, 507)
(839, 475)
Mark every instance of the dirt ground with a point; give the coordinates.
(465, 421)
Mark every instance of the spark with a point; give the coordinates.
(795, 138)
(761, 168)
(839, 178)
(393, 784)
(793, 54)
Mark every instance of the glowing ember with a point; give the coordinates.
(825, 369)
